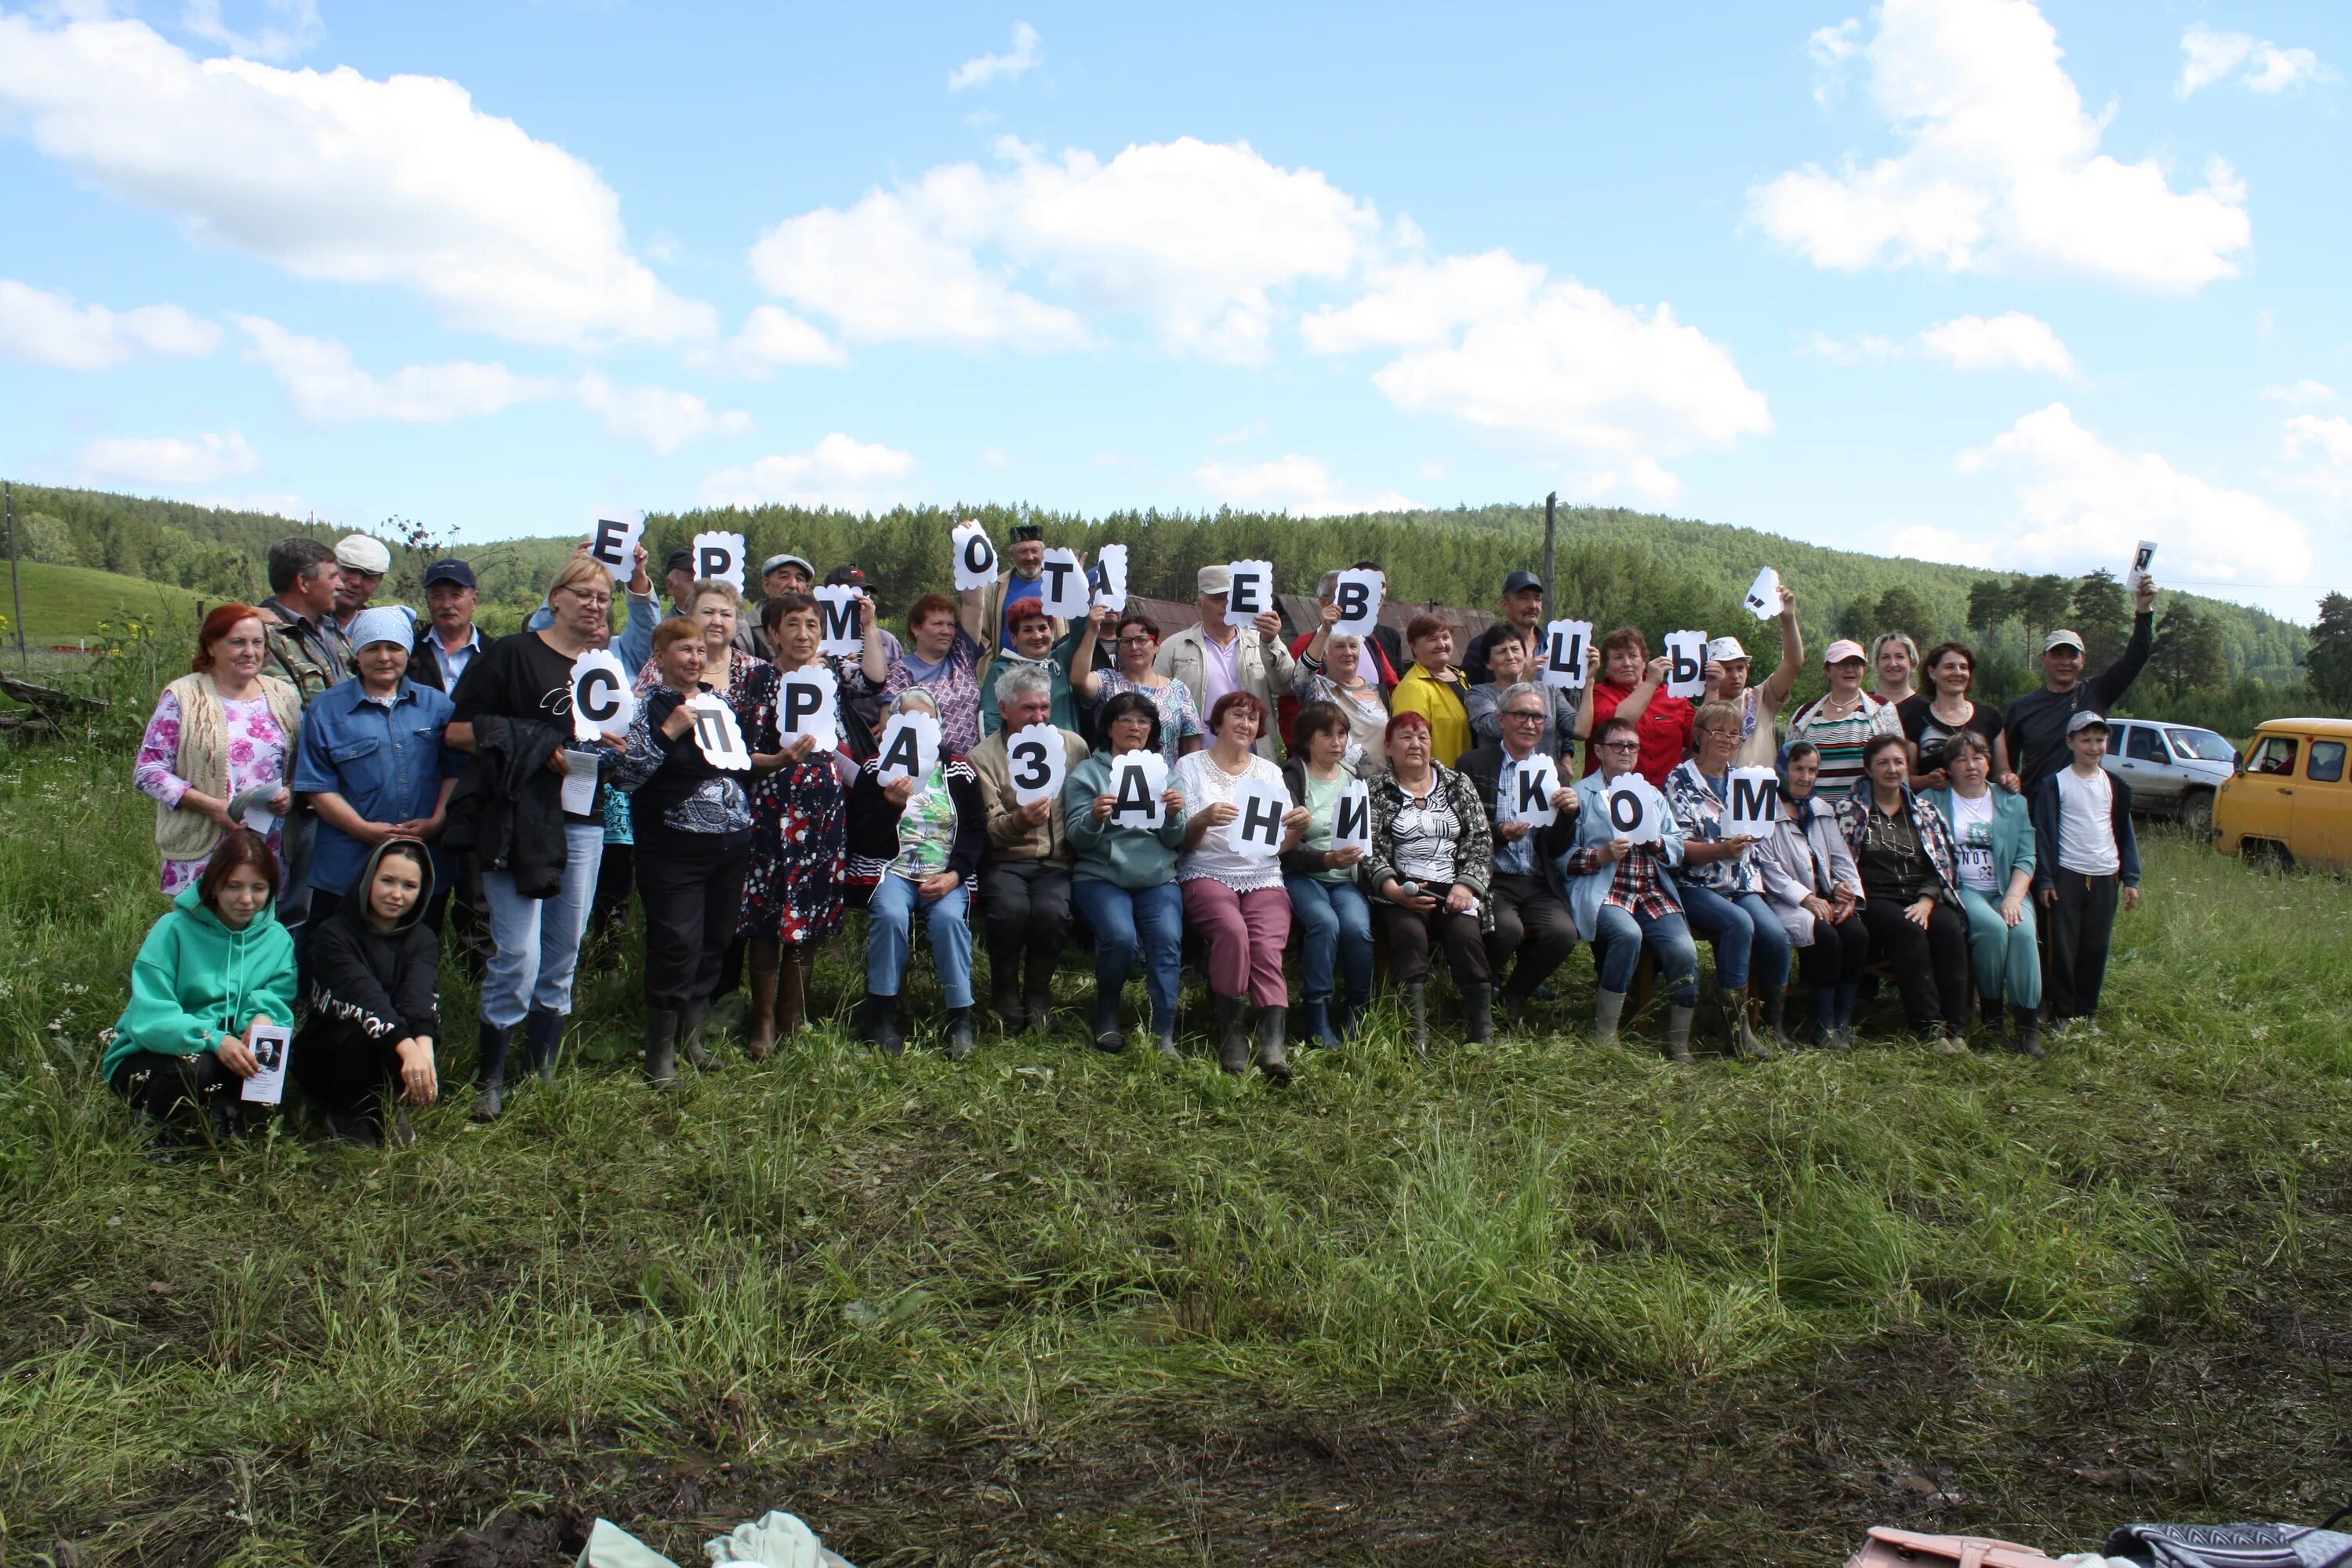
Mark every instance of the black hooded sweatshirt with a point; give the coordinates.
(372, 989)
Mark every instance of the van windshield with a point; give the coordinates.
(2203, 744)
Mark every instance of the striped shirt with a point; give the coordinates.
(1841, 738)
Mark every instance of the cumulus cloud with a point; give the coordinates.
(1294, 484)
(2300, 393)
(850, 475)
(1999, 171)
(338, 176)
(1551, 363)
(2208, 56)
(170, 459)
(660, 416)
(2324, 449)
(2081, 503)
(773, 336)
(2012, 340)
(1198, 238)
(295, 29)
(327, 386)
(982, 70)
(44, 328)
(1918, 542)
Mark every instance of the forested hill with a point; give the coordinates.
(1614, 566)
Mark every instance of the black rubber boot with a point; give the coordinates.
(691, 1023)
(1272, 1024)
(1515, 1006)
(1776, 1014)
(1163, 1035)
(1678, 1029)
(543, 1037)
(1479, 1014)
(959, 1032)
(1233, 1034)
(1108, 1036)
(1738, 1038)
(1824, 1009)
(1004, 998)
(2029, 1032)
(882, 1024)
(1039, 990)
(661, 1046)
(491, 1071)
(1417, 1004)
(1608, 1013)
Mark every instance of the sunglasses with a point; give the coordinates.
(1621, 745)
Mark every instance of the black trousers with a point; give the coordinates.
(1532, 923)
(1411, 932)
(171, 1088)
(345, 1074)
(1931, 966)
(2082, 925)
(692, 887)
(1838, 952)
(1027, 907)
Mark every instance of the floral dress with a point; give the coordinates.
(800, 820)
(257, 757)
(1179, 717)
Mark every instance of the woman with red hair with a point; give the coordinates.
(219, 750)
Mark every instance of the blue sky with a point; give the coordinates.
(1971, 279)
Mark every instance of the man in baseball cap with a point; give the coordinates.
(447, 641)
(1521, 609)
(2035, 724)
(361, 562)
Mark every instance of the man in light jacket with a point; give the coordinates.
(1214, 659)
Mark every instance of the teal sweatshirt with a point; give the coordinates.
(1127, 858)
(195, 980)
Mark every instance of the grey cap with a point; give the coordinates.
(2083, 720)
(2061, 637)
(772, 562)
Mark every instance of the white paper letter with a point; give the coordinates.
(717, 735)
(1686, 664)
(1256, 832)
(1110, 561)
(1532, 784)
(1251, 594)
(719, 556)
(1563, 650)
(1137, 779)
(1351, 817)
(836, 614)
(804, 706)
(1358, 596)
(1763, 599)
(1751, 801)
(1039, 762)
(1064, 588)
(975, 557)
(602, 702)
(910, 747)
(1634, 810)
(612, 539)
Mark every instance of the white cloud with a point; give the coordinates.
(661, 417)
(335, 176)
(298, 30)
(1195, 236)
(42, 328)
(1294, 484)
(2012, 340)
(2206, 57)
(170, 460)
(2324, 447)
(2000, 170)
(1828, 49)
(984, 68)
(772, 335)
(2082, 503)
(328, 387)
(1554, 365)
(854, 476)
(995, 457)
(2301, 393)
(1918, 542)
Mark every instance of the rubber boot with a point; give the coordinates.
(959, 1032)
(1416, 1004)
(1163, 1035)
(1848, 994)
(1315, 1024)
(691, 1022)
(1776, 1015)
(1272, 1024)
(1348, 1015)
(1738, 1038)
(759, 1029)
(1479, 1014)
(1678, 1029)
(491, 1071)
(1040, 990)
(1108, 1037)
(542, 1038)
(1515, 1008)
(2029, 1032)
(1233, 1034)
(661, 1046)
(882, 1024)
(1005, 997)
(1608, 1010)
(1824, 1010)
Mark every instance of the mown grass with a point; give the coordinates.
(886, 1292)
(63, 604)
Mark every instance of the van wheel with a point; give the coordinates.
(2265, 855)
(2197, 812)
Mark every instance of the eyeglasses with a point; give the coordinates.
(1140, 639)
(1142, 718)
(1523, 714)
(1621, 745)
(1717, 731)
(593, 601)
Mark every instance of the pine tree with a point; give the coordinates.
(2187, 654)
(2331, 653)
(2103, 616)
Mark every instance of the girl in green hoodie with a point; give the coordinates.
(216, 964)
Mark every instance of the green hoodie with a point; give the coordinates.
(195, 980)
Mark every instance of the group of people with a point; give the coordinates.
(333, 778)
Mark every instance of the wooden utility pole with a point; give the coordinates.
(16, 584)
(1552, 522)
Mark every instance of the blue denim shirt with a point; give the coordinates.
(387, 761)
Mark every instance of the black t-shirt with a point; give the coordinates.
(1931, 734)
(519, 678)
(1895, 868)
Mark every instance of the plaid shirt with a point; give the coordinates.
(1636, 887)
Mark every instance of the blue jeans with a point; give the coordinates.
(890, 926)
(535, 942)
(1745, 932)
(1132, 922)
(1335, 925)
(1617, 938)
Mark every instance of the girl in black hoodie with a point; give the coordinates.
(374, 1005)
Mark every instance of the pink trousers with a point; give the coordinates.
(1246, 932)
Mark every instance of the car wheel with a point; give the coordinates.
(2197, 812)
(2265, 855)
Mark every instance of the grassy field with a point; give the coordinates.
(63, 604)
(1536, 1302)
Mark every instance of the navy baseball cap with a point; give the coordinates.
(1520, 580)
(450, 570)
(679, 561)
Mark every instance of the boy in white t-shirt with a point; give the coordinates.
(2086, 862)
